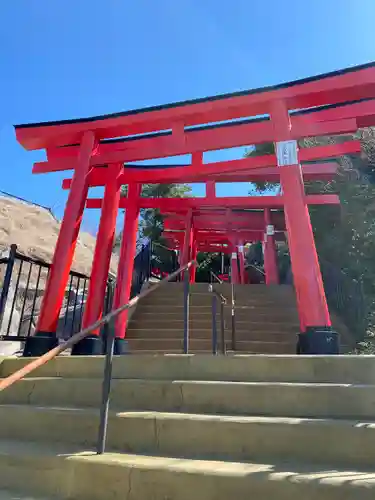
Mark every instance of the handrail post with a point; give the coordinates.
(233, 318)
(107, 380)
(7, 281)
(222, 328)
(186, 311)
(213, 315)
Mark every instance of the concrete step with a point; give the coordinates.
(232, 398)
(12, 495)
(242, 368)
(234, 438)
(198, 333)
(260, 310)
(199, 344)
(169, 344)
(71, 473)
(206, 300)
(242, 314)
(142, 323)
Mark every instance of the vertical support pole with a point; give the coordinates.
(213, 318)
(222, 328)
(241, 259)
(106, 386)
(234, 265)
(125, 266)
(101, 262)
(317, 336)
(6, 282)
(45, 338)
(269, 251)
(194, 251)
(186, 312)
(187, 239)
(210, 189)
(186, 249)
(233, 316)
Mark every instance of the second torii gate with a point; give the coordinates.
(234, 229)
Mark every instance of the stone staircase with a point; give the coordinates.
(266, 320)
(192, 427)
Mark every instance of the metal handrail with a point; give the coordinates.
(256, 268)
(48, 356)
(216, 277)
(223, 301)
(233, 316)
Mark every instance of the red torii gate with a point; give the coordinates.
(234, 229)
(97, 148)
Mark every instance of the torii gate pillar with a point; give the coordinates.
(125, 266)
(269, 251)
(317, 336)
(45, 338)
(100, 266)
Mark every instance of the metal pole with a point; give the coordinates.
(233, 318)
(107, 379)
(7, 281)
(186, 311)
(222, 328)
(214, 326)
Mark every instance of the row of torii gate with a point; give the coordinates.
(227, 232)
(100, 151)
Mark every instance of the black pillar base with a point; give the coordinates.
(39, 344)
(318, 340)
(89, 346)
(121, 347)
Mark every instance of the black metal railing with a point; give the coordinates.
(233, 315)
(23, 282)
(217, 298)
(215, 278)
(164, 261)
(186, 279)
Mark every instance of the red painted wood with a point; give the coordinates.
(344, 87)
(126, 260)
(210, 189)
(147, 176)
(269, 253)
(256, 202)
(103, 250)
(158, 147)
(251, 220)
(316, 171)
(186, 249)
(67, 240)
(241, 260)
(308, 283)
(194, 251)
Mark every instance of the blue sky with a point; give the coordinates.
(74, 58)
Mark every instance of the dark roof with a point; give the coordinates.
(201, 100)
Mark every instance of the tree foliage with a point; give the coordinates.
(151, 221)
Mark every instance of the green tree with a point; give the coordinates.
(151, 220)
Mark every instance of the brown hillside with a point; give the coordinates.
(34, 229)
